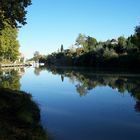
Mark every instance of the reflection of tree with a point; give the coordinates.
(19, 115)
(62, 78)
(89, 80)
(81, 89)
(10, 78)
(137, 106)
(37, 71)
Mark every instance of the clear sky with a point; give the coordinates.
(51, 23)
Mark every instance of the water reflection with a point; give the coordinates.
(86, 80)
(84, 114)
(37, 71)
(19, 115)
(10, 78)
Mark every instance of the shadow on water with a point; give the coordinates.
(19, 115)
(88, 79)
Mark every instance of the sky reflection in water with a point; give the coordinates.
(77, 104)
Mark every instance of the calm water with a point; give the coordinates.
(83, 105)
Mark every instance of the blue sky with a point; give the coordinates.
(55, 22)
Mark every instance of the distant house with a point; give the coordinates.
(114, 42)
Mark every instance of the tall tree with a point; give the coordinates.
(62, 48)
(9, 45)
(14, 11)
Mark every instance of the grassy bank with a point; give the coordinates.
(19, 117)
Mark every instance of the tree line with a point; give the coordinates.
(87, 51)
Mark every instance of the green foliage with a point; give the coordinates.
(81, 40)
(9, 45)
(137, 31)
(123, 52)
(12, 15)
(14, 11)
(122, 41)
(87, 42)
(91, 43)
(137, 36)
(109, 53)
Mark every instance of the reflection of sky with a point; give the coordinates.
(66, 115)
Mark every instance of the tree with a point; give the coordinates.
(122, 41)
(121, 46)
(137, 36)
(62, 48)
(137, 31)
(130, 44)
(88, 43)
(9, 45)
(36, 56)
(14, 11)
(81, 40)
(91, 43)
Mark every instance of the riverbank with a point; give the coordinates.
(19, 117)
